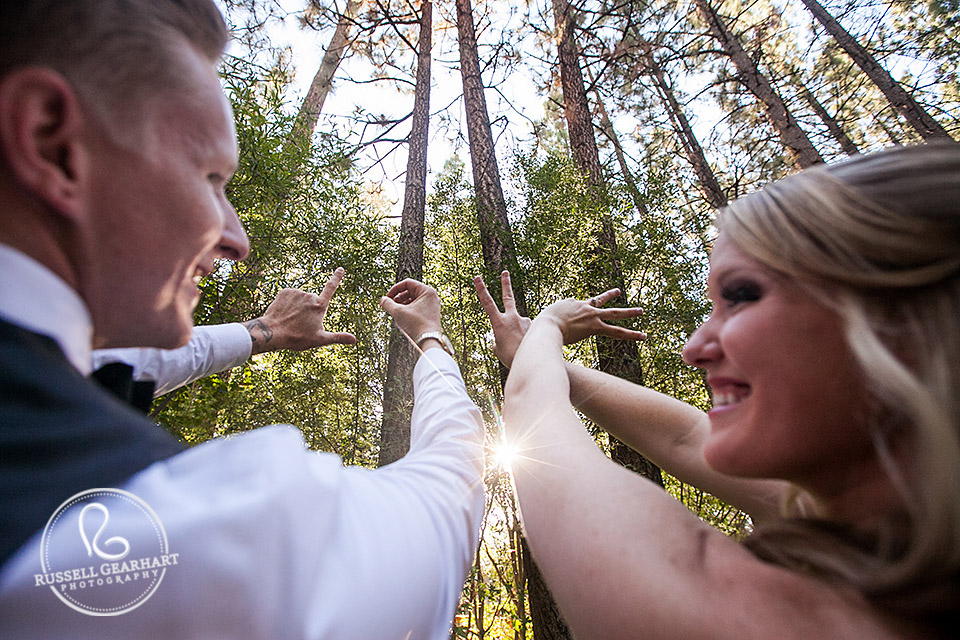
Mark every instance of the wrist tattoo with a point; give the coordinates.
(266, 333)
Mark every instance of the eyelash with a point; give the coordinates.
(741, 293)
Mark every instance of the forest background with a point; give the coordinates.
(582, 145)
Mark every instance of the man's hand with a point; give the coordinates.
(414, 306)
(509, 326)
(294, 320)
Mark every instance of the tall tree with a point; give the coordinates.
(312, 104)
(836, 130)
(748, 73)
(918, 118)
(495, 236)
(608, 130)
(616, 357)
(402, 355)
(709, 184)
(498, 253)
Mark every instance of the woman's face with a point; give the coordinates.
(787, 395)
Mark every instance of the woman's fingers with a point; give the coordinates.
(506, 288)
(603, 298)
(487, 302)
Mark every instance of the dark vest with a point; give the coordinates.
(60, 434)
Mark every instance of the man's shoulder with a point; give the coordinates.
(37, 381)
(17, 342)
(60, 434)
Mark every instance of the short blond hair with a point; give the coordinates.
(878, 237)
(115, 53)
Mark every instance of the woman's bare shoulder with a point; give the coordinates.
(763, 600)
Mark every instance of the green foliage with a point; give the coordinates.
(302, 205)
(307, 212)
(555, 229)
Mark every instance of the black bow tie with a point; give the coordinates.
(117, 378)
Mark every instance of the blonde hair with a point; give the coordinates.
(115, 53)
(881, 234)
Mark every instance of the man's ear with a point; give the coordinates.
(41, 126)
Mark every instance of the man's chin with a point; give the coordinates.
(169, 336)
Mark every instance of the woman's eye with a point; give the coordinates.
(741, 293)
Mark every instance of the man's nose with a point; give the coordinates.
(234, 244)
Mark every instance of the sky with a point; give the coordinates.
(307, 47)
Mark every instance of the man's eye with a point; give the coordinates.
(741, 293)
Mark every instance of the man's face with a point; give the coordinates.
(159, 214)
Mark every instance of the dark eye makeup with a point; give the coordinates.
(736, 293)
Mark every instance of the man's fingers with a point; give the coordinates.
(388, 305)
(330, 288)
(342, 338)
(404, 291)
(395, 289)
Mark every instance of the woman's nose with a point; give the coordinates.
(703, 347)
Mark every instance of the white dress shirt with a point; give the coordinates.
(33, 297)
(276, 541)
(212, 349)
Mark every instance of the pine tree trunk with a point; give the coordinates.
(548, 622)
(312, 105)
(836, 131)
(606, 126)
(791, 135)
(402, 355)
(921, 121)
(498, 254)
(709, 184)
(495, 235)
(894, 137)
(617, 357)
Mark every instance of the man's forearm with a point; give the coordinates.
(211, 349)
(261, 335)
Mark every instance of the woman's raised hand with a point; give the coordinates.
(508, 326)
(576, 319)
(579, 319)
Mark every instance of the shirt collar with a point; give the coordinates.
(36, 299)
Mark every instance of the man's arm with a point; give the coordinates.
(413, 525)
(211, 349)
(294, 320)
(401, 539)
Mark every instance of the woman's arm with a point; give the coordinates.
(671, 434)
(667, 431)
(622, 558)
